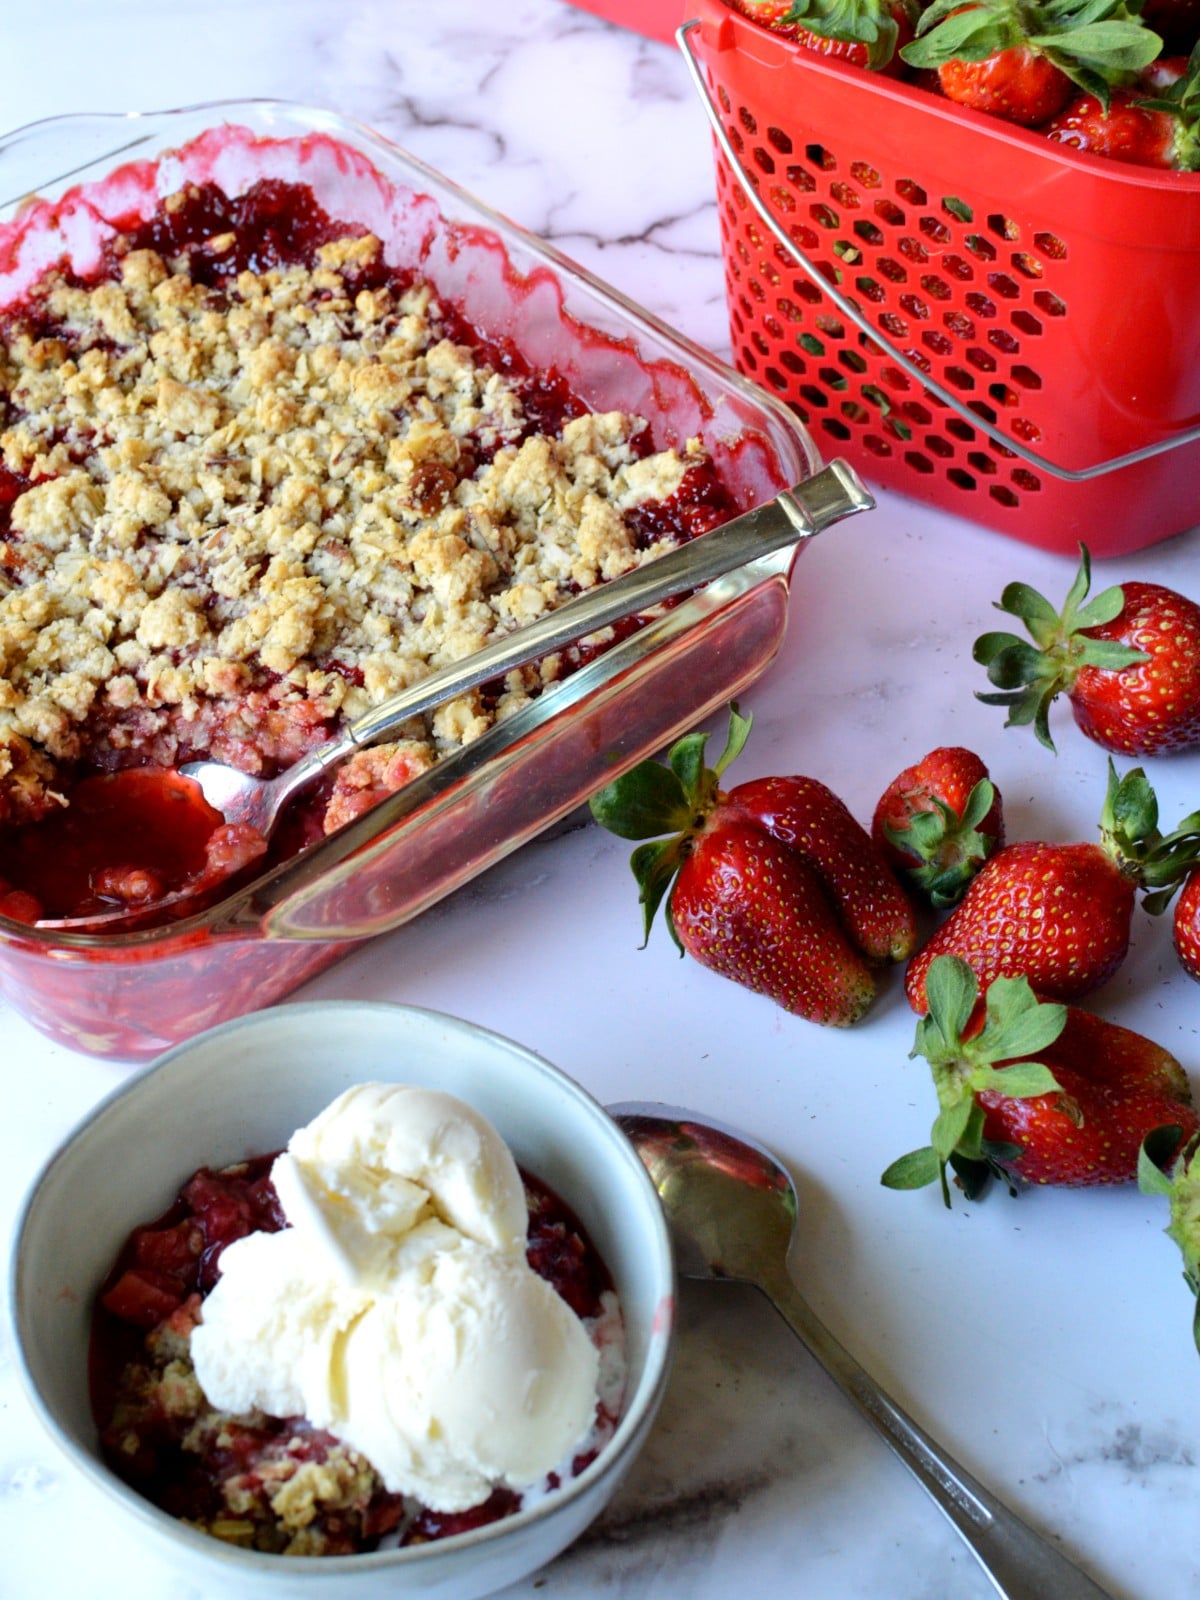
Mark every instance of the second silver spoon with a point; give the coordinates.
(731, 1209)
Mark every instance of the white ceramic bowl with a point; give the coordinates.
(242, 1089)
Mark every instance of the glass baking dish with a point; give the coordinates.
(131, 995)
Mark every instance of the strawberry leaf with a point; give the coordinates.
(1035, 611)
(949, 1126)
(1024, 1081)
(735, 740)
(1018, 1024)
(951, 990)
(971, 34)
(979, 803)
(1156, 1151)
(655, 866)
(868, 22)
(1010, 661)
(642, 803)
(687, 763)
(916, 1170)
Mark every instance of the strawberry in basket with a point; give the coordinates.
(1154, 123)
(1024, 61)
(867, 33)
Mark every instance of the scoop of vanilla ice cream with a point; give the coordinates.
(271, 1330)
(385, 1157)
(479, 1374)
(398, 1309)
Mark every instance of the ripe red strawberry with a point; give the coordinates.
(810, 820)
(867, 33)
(1036, 1091)
(1186, 925)
(1018, 59)
(1017, 84)
(1060, 914)
(772, 884)
(938, 821)
(1128, 661)
(1152, 123)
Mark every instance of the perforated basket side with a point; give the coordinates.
(1036, 287)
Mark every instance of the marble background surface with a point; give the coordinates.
(1046, 1340)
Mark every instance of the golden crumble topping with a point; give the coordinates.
(247, 512)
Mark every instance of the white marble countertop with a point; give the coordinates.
(1046, 1340)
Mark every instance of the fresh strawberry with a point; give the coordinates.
(810, 820)
(867, 33)
(1114, 1058)
(772, 884)
(939, 821)
(1060, 914)
(1036, 1091)
(1018, 59)
(1164, 1169)
(1128, 661)
(1150, 124)
(771, 13)
(1017, 85)
(1186, 925)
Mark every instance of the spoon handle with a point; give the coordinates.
(794, 515)
(1020, 1563)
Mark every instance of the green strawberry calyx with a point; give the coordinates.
(948, 848)
(868, 22)
(1030, 677)
(1095, 43)
(963, 1057)
(1157, 863)
(651, 800)
(1179, 1182)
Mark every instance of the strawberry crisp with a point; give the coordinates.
(279, 1484)
(254, 480)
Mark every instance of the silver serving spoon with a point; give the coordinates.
(793, 515)
(731, 1209)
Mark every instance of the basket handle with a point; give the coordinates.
(852, 314)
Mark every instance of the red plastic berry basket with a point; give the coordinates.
(1002, 327)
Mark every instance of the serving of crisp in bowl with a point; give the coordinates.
(435, 1343)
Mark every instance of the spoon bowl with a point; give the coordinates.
(732, 1211)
